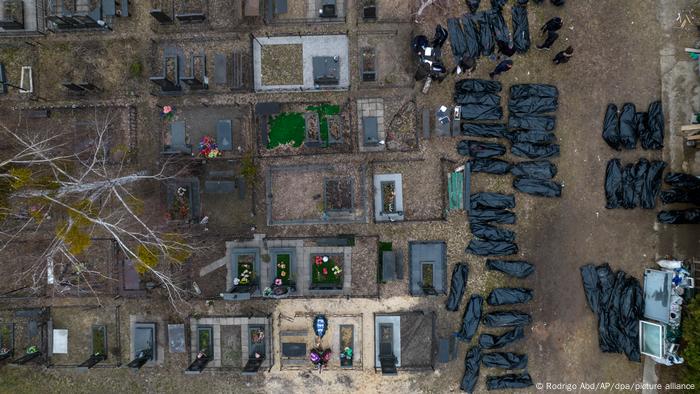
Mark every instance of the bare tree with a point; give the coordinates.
(86, 190)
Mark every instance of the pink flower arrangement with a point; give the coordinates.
(167, 109)
(278, 282)
(318, 260)
(167, 113)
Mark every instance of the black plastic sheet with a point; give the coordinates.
(481, 112)
(485, 200)
(500, 216)
(533, 105)
(458, 284)
(538, 169)
(628, 126)
(504, 360)
(681, 180)
(506, 319)
(491, 248)
(651, 184)
(680, 195)
(490, 166)
(611, 127)
(515, 268)
(684, 216)
(491, 341)
(628, 181)
(653, 138)
(471, 36)
(521, 29)
(613, 184)
(473, 5)
(534, 151)
(532, 137)
(498, 4)
(480, 149)
(486, 41)
(617, 300)
(499, 26)
(640, 172)
(525, 90)
(440, 36)
(509, 295)
(531, 122)
(477, 85)
(537, 187)
(509, 381)
(484, 130)
(641, 119)
(471, 373)
(484, 98)
(471, 319)
(491, 233)
(457, 38)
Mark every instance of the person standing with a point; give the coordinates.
(549, 41)
(501, 68)
(553, 24)
(564, 56)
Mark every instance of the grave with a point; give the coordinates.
(12, 15)
(224, 135)
(176, 338)
(427, 272)
(368, 65)
(169, 81)
(325, 70)
(161, 16)
(220, 69)
(178, 139)
(197, 77)
(143, 344)
(388, 197)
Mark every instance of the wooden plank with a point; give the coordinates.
(690, 127)
(695, 137)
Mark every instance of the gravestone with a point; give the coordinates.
(176, 338)
(370, 130)
(220, 68)
(161, 16)
(224, 135)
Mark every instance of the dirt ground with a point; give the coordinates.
(616, 59)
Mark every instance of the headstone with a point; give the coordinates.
(325, 70)
(388, 265)
(224, 136)
(220, 68)
(294, 349)
(161, 16)
(280, 7)
(191, 17)
(370, 130)
(426, 123)
(267, 108)
(109, 7)
(60, 341)
(219, 187)
(176, 338)
(178, 136)
(241, 188)
(237, 70)
(131, 278)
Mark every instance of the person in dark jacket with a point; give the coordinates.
(564, 56)
(501, 68)
(466, 65)
(549, 41)
(553, 24)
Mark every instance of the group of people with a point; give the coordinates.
(550, 28)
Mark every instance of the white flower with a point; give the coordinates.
(236, 281)
(325, 259)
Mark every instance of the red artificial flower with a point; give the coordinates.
(325, 271)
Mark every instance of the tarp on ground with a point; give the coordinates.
(477, 85)
(525, 90)
(683, 216)
(478, 98)
(499, 26)
(492, 341)
(471, 319)
(681, 180)
(504, 360)
(521, 29)
(457, 38)
(531, 122)
(611, 127)
(628, 194)
(653, 138)
(471, 36)
(628, 126)
(485, 200)
(480, 149)
(484, 130)
(486, 41)
(471, 371)
(680, 195)
(491, 248)
(481, 112)
(509, 295)
(489, 215)
(538, 169)
(537, 187)
(613, 184)
(506, 319)
(491, 233)
(617, 300)
(532, 136)
(490, 166)
(533, 105)
(515, 268)
(651, 184)
(534, 151)
(458, 284)
(509, 381)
